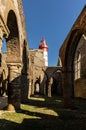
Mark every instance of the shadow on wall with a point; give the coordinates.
(57, 83)
(13, 90)
(24, 74)
(3, 86)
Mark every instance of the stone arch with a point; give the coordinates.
(57, 83)
(13, 45)
(80, 69)
(50, 76)
(68, 66)
(12, 30)
(13, 62)
(71, 48)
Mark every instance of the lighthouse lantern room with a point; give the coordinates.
(44, 47)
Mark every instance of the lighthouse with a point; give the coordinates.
(44, 47)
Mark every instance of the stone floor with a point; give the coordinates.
(3, 102)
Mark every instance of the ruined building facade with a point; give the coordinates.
(73, 59)
(80, 68)
(13, 68)
(23, 72)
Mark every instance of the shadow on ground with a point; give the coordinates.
(65, 119)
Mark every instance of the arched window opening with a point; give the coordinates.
(77, 65)
(4, 46)
(37, 86)
(12, 25)
(13, 47)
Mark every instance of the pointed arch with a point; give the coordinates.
(67, 54)
(13, 47)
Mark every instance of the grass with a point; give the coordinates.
(42, 113)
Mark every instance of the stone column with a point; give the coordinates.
(29, 89)
(50, 81)
(32, 90)
(14, 86)
(1, 38)
(44, 86)
(68, 88)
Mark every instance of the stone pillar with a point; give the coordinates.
(50, 81)
(68, 87)
(32, 90)
(14, 86)
(1, 38)
(29, 89)
(44, 86)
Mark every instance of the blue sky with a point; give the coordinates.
(52, 20)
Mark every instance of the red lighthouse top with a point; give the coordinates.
(43, 44)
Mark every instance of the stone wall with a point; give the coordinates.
(80, 83)
(21, 12)
(12, 28)
(83, 57)
(67, 54)
(3, 76)
(80, 88)
(36, 74)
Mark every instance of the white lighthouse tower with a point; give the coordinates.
(44, 47)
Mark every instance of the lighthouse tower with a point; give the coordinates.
(44, 47)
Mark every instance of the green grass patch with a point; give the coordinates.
(42, 113)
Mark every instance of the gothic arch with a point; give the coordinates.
(13, 31)
(68, 67)
(13, 45)
(67, 54)
(13, 62)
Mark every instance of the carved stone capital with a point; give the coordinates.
(14, 70)
(13, 66)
